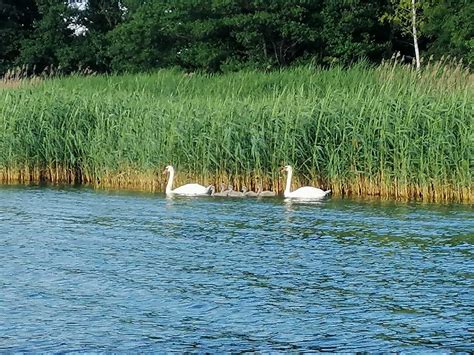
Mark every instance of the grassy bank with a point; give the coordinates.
(385, 131)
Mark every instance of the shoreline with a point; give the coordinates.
(155, 182)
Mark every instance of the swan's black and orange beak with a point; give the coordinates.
(165, 172)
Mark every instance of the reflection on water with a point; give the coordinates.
(113, 271)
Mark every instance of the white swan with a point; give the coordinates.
(306, 192)
(185, 190)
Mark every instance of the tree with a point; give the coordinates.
(449, 26)
(99, 18)
(56, 41)
(277, 32)
(219, 35)
(207, 35)
(51, 40)
(102, 15)
(16, 23)
(414, 32)
(352, 31)
(145, 40)
(406, 15)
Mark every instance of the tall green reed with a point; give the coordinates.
(387, 131)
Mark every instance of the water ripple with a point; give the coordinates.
(107, 271)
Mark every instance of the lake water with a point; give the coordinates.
(86, 270)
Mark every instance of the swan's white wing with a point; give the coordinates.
(191, 190)
(307, 192)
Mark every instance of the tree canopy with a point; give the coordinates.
(221, 35)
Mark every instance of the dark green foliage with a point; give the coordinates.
(223, 35)
(145, 41)
(16, 21)
(276, 33)
(352, 31)
(211, 35)
(50, 44)
(101, 17)
(450, 26)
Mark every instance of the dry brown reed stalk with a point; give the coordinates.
(17, 77)
(23, 75)
(155, 181)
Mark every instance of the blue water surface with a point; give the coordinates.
(84, 270)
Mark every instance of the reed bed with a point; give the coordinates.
(388, 131)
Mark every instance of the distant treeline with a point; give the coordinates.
(226, 35)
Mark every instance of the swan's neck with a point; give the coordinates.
(288, 182)
(169, 185)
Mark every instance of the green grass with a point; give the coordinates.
(384, 131)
